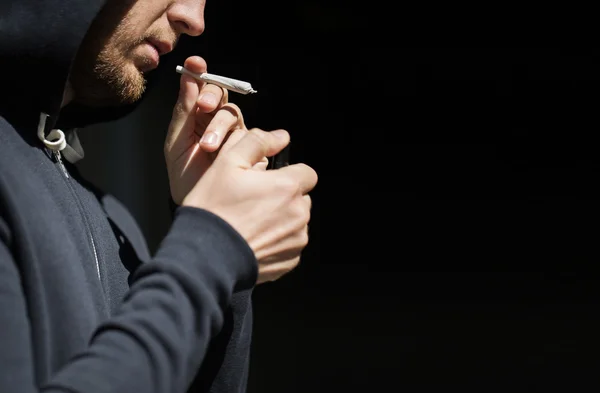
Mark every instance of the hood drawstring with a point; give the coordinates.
(69, 145)
(56, 141)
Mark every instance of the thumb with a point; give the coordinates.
(256, 145)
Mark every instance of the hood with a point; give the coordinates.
(39, 40)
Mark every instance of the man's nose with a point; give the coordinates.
(187, 16)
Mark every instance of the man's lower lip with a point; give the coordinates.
(154, 56)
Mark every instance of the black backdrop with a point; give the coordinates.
(454, 237)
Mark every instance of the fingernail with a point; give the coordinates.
(208, 98)
(209, 138)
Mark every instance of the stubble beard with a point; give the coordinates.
(103, 74)
(123, 83)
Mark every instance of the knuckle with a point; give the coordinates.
(277, 270)
(288, 186)
(303, 237)
(300, 212)
(258, 135)
(287, 266)
(304, 213)
(259, 138)
(236, 135)
(294, 263)
(308, 173)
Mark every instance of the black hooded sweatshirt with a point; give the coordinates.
(84, 308)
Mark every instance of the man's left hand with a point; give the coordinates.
(203, 118)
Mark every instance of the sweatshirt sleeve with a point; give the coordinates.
(160, 335)
(227, 361)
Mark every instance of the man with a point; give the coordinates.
(83, 307)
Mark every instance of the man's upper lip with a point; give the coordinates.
(161, 46)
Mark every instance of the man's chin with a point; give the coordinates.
(108, 101)
(110, 92)
(128, 87)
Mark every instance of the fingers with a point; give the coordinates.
(227, 118)
(184, 110)
(196, 64)
(211, 98)
(233, 138)
(305, 176)
(257, 144)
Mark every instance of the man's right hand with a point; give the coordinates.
(270, 209)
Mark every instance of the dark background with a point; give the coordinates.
(454, 236)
